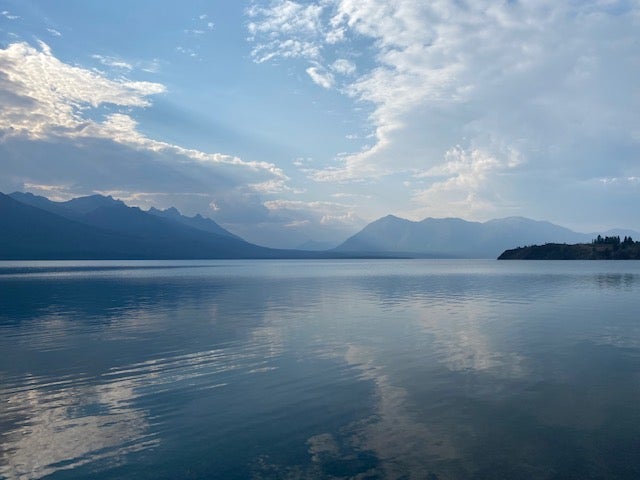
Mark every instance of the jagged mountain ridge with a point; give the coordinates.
(99, 227)
(81, 208)
(198, 221)
(103, 227)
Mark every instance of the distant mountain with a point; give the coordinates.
(198, 222)
(455, 238)
(29, 232)
(312, 245)
(58, 208)
(99, 227)
(84, 209)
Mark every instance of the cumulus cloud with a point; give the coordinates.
(57, 104)
(72, 127)
(553, 81)
(466, 184)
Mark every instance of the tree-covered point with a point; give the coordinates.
(607, 248)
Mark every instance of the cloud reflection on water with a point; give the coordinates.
(367, 373)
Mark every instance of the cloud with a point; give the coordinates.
(553, 81)
(301, 221)
(321, 77)
(54, 32)
(343, 66)
(6, 14)
(69, 126)
(113, 62)
(57, 104)
(187, 51)
(285, 29)
(466, 184)
(325, 213)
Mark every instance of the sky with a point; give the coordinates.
(288, 121)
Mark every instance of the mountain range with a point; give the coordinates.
(101, 227)
(456, 238)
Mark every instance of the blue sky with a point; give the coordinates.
(287, 121)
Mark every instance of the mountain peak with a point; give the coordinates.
(391, 218)
(83, 205)
(455, 237)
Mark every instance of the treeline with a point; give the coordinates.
(613, 240)
(607, 248)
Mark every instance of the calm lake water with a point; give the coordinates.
(416, 369)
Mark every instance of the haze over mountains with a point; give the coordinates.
(453, 237)
(99, 227)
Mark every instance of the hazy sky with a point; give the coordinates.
(290, 120)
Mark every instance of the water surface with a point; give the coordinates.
(320, 369)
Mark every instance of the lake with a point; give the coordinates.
(394, 369)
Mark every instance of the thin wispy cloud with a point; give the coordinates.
(113, 62)
(6, 14)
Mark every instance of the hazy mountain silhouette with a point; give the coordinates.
(83, 209)
(312, 245)
(453, 237)
(198, 222)
(29, 232)
(100, 227)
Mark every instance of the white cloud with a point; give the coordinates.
(42, 106)
(189, 52)
(285, 17)
(325, 212)
(113, 62)
(6, 14)
(65, 125)
(343, 66)
(553, 81)
(321, 77)
(466, 184)
(54, 32)
(285, 29)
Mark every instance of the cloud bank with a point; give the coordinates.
(519, 93)
(70, 127)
